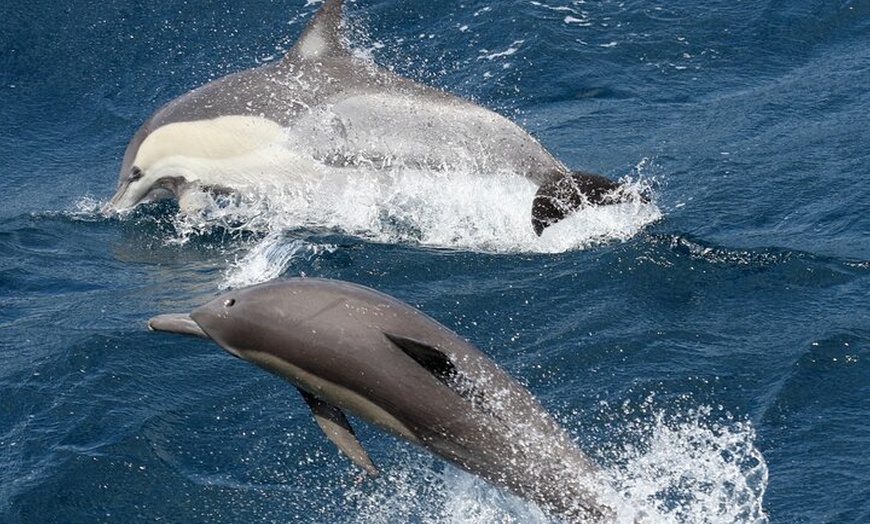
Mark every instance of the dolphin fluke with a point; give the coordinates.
(562, 196)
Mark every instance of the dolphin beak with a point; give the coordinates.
(180, 323)
(114, 205)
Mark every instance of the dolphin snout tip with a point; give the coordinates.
(112, 209)
(108, 211)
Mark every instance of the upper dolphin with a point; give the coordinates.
(351, 348)
(320, 110)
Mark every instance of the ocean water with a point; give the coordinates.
(711, 349)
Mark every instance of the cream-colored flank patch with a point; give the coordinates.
(222, 137)
(235, 152)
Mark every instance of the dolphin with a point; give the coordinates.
(350, 348)
(321, 111)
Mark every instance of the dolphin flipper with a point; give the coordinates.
(333, 422)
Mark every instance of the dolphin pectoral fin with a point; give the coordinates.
(333, 422)
(180, 323)
(428, 356)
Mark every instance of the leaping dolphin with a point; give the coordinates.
(350, 348)
(320, 111)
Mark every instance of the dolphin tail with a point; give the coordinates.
(559, 197)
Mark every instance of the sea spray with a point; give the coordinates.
(489, 214)
(680, 469)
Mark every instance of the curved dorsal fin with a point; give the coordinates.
(323, 35)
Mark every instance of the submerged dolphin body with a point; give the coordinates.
(320, 112)
(350, 348)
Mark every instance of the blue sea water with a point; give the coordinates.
(711, 349)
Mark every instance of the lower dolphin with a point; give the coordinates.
(351, 348)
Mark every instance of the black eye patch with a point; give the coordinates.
(136, 174)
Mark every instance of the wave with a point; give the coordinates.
(801, 268)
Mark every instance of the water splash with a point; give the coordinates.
(86, 209)
(421, 489)
(676, 470)
(686, 470)
(456, 210)
(269, 259)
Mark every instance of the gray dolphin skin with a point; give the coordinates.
(321, 111)
(350, 348)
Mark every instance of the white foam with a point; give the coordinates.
(461, 210)
(683, 470)
(86, 209)
(269, 259)
(438, 209)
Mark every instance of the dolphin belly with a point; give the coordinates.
(238, 154)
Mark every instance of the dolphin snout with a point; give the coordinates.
(116, 205)
(180, 323)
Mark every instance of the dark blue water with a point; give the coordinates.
(711, 350)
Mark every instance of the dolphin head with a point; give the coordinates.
(165, 159)
(286, 319)
(276, 325)
(229, 326)
(138, 181)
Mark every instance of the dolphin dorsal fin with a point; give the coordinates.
(323, 35)
(431, 358)
(443, 368)
(333, 422)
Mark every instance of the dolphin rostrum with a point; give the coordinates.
(320, 112)
(350, 348)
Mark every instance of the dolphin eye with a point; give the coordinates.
(229, 302)
(136, 174)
